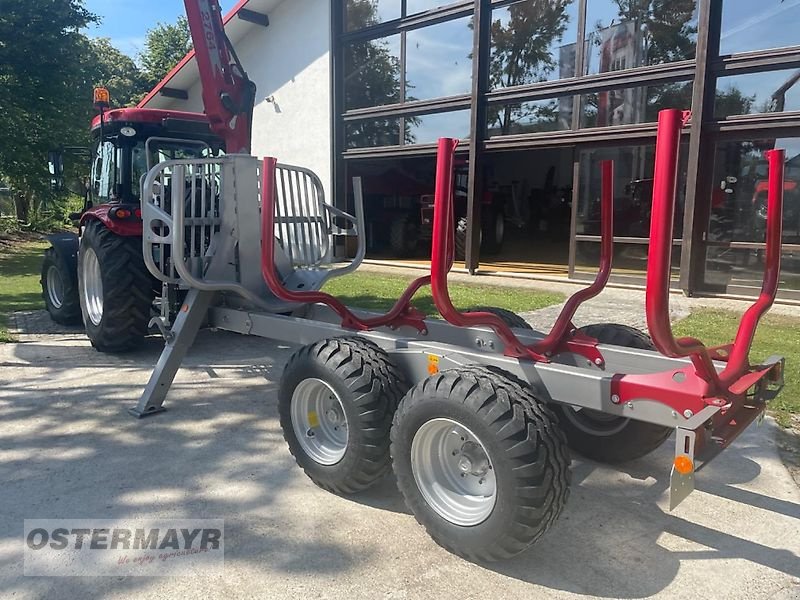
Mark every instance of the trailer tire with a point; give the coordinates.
(510, 318)
(461, 239)
(493, 227)
(403, 236)
(116, 290)
(606, 438)
(355, 379)
(517, 444)
(60, 289)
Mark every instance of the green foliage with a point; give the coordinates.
(165, 45)
(117, 72)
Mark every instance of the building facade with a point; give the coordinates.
(540, 91)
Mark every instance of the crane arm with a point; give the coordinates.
(228, 94)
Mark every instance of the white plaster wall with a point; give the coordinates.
(290, 63)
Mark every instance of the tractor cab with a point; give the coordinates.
(127, 142)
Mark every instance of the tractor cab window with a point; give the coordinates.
(145, 155)
(105, 172)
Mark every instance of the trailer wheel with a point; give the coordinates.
(336, 402)
(60, 289)
(116, 290)
(403, 236)
(480, 462)
(607, 438)
(493, 230)
(510, 318)
(461, 238)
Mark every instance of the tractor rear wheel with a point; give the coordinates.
(603, 437)
(336, 402)
(116, 290)
(60, 289)
(480, 462)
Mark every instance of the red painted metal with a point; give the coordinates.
(145, 115)
(402, 313)
(185, 60)
(563, 324)
(124, 228)
(659, 260)
(228, 94)
(562, 338)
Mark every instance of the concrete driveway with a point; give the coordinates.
(68, 449)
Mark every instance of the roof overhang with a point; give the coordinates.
(246, 16)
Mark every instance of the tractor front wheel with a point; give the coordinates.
(116, 290)
(60, 289)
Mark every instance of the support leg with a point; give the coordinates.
(187, 324)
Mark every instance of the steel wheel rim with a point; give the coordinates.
(453, 472)
(319, 421)
(594, 422)
(92, 286)
(55, 287)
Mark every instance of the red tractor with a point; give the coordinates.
(98, 275)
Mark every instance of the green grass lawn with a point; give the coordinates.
(371, 291)
(775, 335)
(20, 269)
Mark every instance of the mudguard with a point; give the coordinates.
(66, 245)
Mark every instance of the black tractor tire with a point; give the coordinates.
(493, 227)
(526, 452)
(605, 438)
(403, 236)
(461, 239)
(127, 288)
(368, 387)
(60, 289)
(510, 318)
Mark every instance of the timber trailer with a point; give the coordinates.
(475, 413)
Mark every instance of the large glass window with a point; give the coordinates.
(368, 133)
(438, 60)
(772, 91)
(534, 116)
(759, 25)
(427, 129)
(738, 214)
(533, 41)
(625, 106)
(372, 73)
(365, 13)
(623, 34)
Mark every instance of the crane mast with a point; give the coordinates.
(228, 94)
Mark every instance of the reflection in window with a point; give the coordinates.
(738, 203)
(623, 34)
(535, 116)
(369, 133)
(758, 25)
(533, 41)
(418, 6)
(427, 129)
(438, 60)
(773, 91)
(633, 190)
(372, 72)
(365, 13)
(625, 106)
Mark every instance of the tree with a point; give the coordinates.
(165, 45)
(117, 72)
(522, 53)
(44, 92)
(372, 78)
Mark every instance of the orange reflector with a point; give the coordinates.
(122, 213)
(684, 464)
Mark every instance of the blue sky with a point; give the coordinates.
(126, 21)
